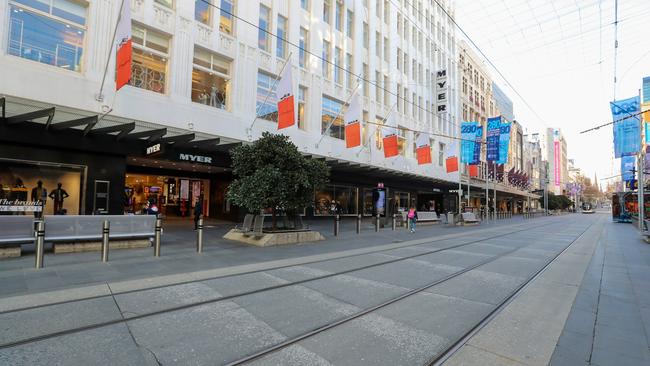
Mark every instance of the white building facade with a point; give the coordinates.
(210, 69)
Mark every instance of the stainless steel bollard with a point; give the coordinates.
(337, 225)
(377, 223)
(199, 236)
(106, 227)
(394, 223)
(40, 242)
(359, 224)
(156, 244)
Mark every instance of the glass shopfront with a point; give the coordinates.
(336, 199)
(35, 187)
(174, 196)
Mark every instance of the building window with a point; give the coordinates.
(266, 92)
(349, 29)
(302, 102)
(386, 12)
(304, 4)
(399, 59)
(386, 50)
(338, 21)
(377, 87)
(366, 35)
(202, 11)
(366, 83)
(415, 105)
(150, 57)
(332, 115)
(386, 91)
(338, 61)
(327, 70)
(336, 200)
(399, 98)
(441, 153)
(210, 79)
(281, 49)
(304, 47)
(263, 39)
(166, 3)
(54, 36)
(377, 44)
(350, 70)
(327, 8)
(226, 16)
(464, 85)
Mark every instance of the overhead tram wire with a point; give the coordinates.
(360, 77)
(630, 115)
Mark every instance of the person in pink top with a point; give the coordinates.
(413, 218)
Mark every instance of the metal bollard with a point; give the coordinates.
(40, 242)
(156, 244)
(337, 225)
(106, 227)
(394, 223)
(199, 236)
(359, 224)
(377, 223)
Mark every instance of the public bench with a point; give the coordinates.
(74, 233)
(428, 216)
(469, 218)
(247, 226)
(15, 230)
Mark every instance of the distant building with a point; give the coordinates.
(503, 103)
(558, 170)
(646, 89)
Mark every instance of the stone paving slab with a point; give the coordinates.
(357, 291)
(408, 273)
(478, 285)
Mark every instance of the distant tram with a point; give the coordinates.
(587, 208)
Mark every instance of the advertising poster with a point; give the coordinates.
(556, 160)
(504, 142)
(492, 138)
(626, 127)
(468, 136)
(627, 167)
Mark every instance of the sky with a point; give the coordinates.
(557, 59)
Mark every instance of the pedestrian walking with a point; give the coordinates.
(413, 218)
(198, 212)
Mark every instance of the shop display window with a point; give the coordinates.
(210, 79)
(150, 57)
(31, 188)
(173, 196)
(336, 199)
(401, 201)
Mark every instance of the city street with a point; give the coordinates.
(405, 303)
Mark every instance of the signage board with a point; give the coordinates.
(442, 98)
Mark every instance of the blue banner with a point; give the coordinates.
(627, 165)
(627, 129)
(492, 138)
(468, 134)
(504, 142)
(476, 158)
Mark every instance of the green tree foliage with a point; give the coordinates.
(560, 202)
(271, 173)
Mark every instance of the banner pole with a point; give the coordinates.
(390, 111)
(641, 172)
(338, 114)
(100, 96)
(268, 94)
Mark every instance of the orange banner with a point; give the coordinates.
(390, 146)
(124, 57)
(353, 135)
(423, 154)
(473, 171)
(286, 113)
(452, 164)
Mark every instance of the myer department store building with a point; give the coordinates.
(199, 77)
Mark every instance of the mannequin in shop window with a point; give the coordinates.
(58, 195)
(39, 194)
(213, 96)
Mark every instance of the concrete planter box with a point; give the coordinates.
(10, 252)
(280, 238)
(96, 246)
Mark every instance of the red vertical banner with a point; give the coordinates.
(473, 171)
(423, 148)
(556, 160)
(286, 103)
(352, 118)
(452, 164)
(390, 146)
(124, 47)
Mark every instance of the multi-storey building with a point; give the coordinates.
(475, 98)
(554, 148)
(204, 76)
(503, 103)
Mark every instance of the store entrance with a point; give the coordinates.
(174, 196)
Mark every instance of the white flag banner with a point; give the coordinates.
(423, 139)
(390, 127)
(352, 118)
(285, 84)
(124, 47)
(353, 114)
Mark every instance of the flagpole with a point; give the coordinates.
(100, 97)
(338, 114)
(249, 130)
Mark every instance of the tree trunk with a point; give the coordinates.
(274, 227)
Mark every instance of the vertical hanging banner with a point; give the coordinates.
(476, 159)
(389, 132)
(646, 119)
(556, 159)
(286, 105)
(504, 142)
(352, 119)
(423, 148)
(468, 141)
(451, 163)
(441, 91)
(627, 167)
(492, 138)
(627, 134)
(124, 47)
(473, 171)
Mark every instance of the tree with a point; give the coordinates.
(560, 202)
(271, 173)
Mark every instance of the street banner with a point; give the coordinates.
(352, 119)
(478, 142)
(627, 167)
(389, 132)
(423, 148)
(492, 138)
(627, 134)
(473, 171)
(504, 142)
(286, 105)
(646, 119)
(556, 162)
(124, 47)
(468, 141)
(452, 164)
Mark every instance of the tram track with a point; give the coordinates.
(123, 319)
(448, 351)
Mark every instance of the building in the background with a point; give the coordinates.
(503, 103)
(204, 81)
(533, 161)
(554, 148)
(646, 89)
(475, 98)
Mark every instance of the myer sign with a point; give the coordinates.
(441, 91)
(195, 158)
(154, 149)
